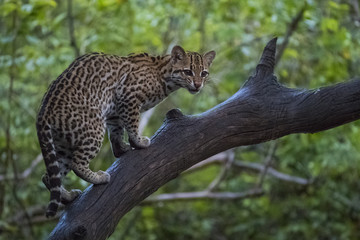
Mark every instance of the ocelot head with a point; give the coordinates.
(190, 70)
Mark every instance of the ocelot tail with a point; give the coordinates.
(98, 92)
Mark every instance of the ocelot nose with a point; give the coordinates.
(197, 84)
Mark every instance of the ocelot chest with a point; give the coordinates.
(144, 88)
(151, 101)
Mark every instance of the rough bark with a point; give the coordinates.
(260, 111)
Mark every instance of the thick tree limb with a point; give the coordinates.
(260, 111)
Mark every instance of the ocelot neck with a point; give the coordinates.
(166, 70)
(165, 66)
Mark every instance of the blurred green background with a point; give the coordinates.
(40, 38)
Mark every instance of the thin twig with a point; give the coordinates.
(290, 30)
(267, 163)
(230, 156)
(218, 158)
(169, 197)
(355, 4)
(250, 167)
(71, 29)
(35, 213)
(256, 167)
(26, 173)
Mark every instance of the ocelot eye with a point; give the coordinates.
(204, 74)
(188, 72)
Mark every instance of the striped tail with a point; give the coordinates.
(52, 177)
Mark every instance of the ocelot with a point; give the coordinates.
(98, 92)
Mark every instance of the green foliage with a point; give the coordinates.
(324, 49)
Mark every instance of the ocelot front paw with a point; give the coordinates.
(143, 142)
(103, 177)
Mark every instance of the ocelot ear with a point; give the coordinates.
(178, 54)
(209, 57)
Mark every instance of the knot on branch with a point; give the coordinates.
(79, 233)
(174, 114)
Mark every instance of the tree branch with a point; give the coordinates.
(274, 173)
(260, 111)
(72, 29)
(217, 158)
(355, 5)
(26, 172)
(203, 195)
(267, 164)
(228, 163)
(220, 158)
(290, 30)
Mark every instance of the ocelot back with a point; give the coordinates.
(98, 92)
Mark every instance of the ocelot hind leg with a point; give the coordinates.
(89, 136)
(81, 158)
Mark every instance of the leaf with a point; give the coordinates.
(51, 3)
(8, 8)
(329, 24)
